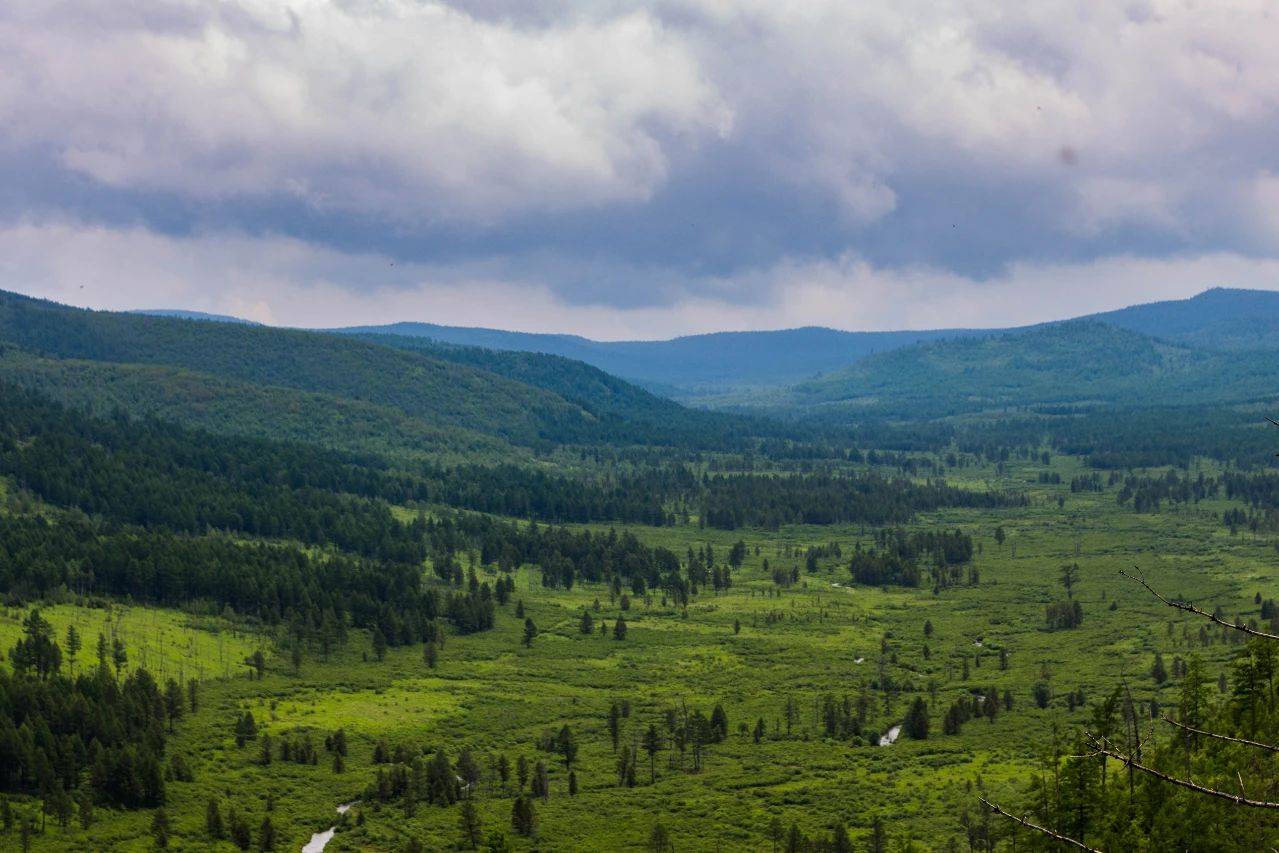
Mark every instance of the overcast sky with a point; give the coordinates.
(637, 170)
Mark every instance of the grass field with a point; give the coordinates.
(493, 695)
(168, 643)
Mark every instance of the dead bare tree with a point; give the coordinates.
(1065, 839)
(1102, 747)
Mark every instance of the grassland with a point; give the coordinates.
(167, 643)
(493, 695)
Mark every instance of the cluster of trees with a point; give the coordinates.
(897, 557)
(979, 702)
(154, 474)
(96, 738)
(565, 556)
(763, 500)
(1147, 493)
(320, 593)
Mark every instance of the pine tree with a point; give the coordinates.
(619, 629)
(1158, 671)
(266, 835)
(73, 645)
(213, 820)
(652, 744)
(587, 624)
(469, 823)
(659, 840)
(615, 723)
(567, 746)
(530, 631)
(160, 827)
(523, 816)
(173, 702)
(719, 724)
(916, 723)
(84, 805)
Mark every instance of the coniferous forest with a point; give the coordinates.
(262, 584)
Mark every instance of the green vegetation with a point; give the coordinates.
(219, 628)
(1082, 362)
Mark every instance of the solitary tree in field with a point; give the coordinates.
(567, 745)
(1069, 577)
(173, 702)
(652, 745)
(73, 646)
(530, 631)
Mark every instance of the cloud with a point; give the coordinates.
(398, 108)
(284, 281)
(651, 159)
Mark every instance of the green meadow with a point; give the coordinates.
(752, 649)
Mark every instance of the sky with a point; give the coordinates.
(637, 170)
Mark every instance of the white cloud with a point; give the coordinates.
(683, 144)
(396, 108)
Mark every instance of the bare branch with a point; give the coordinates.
(1237, 799)
(1190, 608)
(1064, 839)
(1170, 721)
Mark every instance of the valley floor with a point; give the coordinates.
(822, 636)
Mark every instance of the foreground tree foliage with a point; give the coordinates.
(1209, 783)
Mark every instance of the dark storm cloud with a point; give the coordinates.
(662, 157)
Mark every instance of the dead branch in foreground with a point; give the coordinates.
(1065, 839)
(1190, 608)
(1258, 744)
(1103, 748)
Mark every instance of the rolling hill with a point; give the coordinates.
(1079, 363)
(166, 365)
(1220, 318)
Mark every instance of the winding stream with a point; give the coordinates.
(320, 840)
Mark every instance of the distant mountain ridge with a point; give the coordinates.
(1075, 363)
(1219, 318)
(694, 363)
(180, 314)
(700, 366)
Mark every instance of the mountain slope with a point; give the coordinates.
(233, 407)
(1220, 318)
(627, 411)
(683, 367)
(1077, 362)
(439, 393)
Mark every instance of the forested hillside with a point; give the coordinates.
(383, 389)
(1084, 362)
